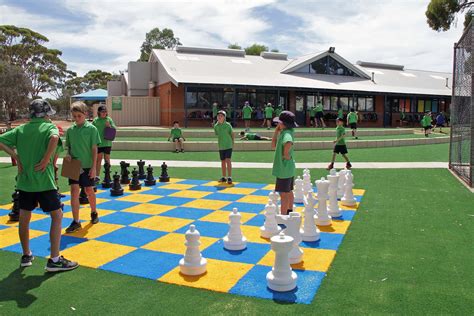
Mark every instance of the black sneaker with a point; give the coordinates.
(229, 180)
(176, 151)
(330, 166)
(75, 226)
(222, 180)
(27, 260)
(94, 218)
(348, 165)
(62, 265)
(182, 150)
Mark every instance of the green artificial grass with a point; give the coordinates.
(408, 251)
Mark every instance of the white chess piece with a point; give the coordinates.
(299, 190)
(270, 228)
(307, 186)
(234, 240)
(281, 278)
(333, 209)
(348, 198)
(322, 218)
(310, 231)
(293, 225)
(274, 196)
(193, 263)
(340, 184)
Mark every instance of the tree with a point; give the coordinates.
(15, 89)
(234, 46)
(156, 39)
(256, 49)
(24, 48)
(441, 14)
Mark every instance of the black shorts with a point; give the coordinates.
(340, 149)
(284, 185)
(428, 127)
(48, 200)
(258, 137)
(84, 180)
(225, 154)
(319, 115)
(353, 125)
(104, 150)
(312, 118)
(176, 139)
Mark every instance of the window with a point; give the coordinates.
(344, 101)
(329, 66)
(434, 106)
(421, 106)
(360, 104)
(326, 103)
(369, 104)
(427, 105)
(299, 103)
(309, 101)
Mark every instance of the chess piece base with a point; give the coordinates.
(106, 185)
(310, 237)
(125, 181)
(14, 216)
(116, 192)
(336, 213)
(279, 285)
(187, 269)
(135, 187)
(349, 202)
(229, 245)
(164, 179)
(320, 222)
(150, 182)
(265, 233)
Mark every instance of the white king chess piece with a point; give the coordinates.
(322, 218)
(348, 198)
(333, 209)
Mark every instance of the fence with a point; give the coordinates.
(134, 111)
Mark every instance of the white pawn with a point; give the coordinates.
(193, 263)
(307, 186)
(234, 240)
(281, 278)
(333, 209)
(310, 231)
(274, 196)
(306, 171)
(340, 184)
(293, 224)
(322, 219)
(348, 198)
(270, 228)
(299, 190)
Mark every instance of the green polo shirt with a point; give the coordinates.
(278, 111)
(312, 111)
(340, 113)
(426, 121)
(352, 117)
(80, 140)
(340, 131)
(268, 112)
(214, 110)
(224, 135)
(99, 123)
(247, 112)
(250, 136)
(284, 169)
(31, 142)
(319, 107)
(176, 133)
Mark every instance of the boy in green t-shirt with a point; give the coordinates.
(340, 145)
(319, 114)
(283, 162)
(36, 143)
(312, 116)
(225, 140)
(102, 121)
(247, 115)
(352, 119)
(426, 123)
(268, 115)
(82, 139)
(252, 136)
(278, 110)
(176, 136)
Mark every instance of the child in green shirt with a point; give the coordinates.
(340, 145)
(247, 115)
(426, 123)
(36, 143)
(268, 116)
(312, 116)
(319, 114)
(225, 140)
(176, 136)
(352, 119)
(82, 140)
(102, 121)
(252, 136)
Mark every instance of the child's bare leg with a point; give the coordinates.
(91, 196)
(345, 157)
(322, 121)
(99, 163)
(176, 144)
(333, 157)
(107, 159)
(229, 167)
(55, 232)
(223, 167)
(181, 144)
(75, 201)
(24, 231)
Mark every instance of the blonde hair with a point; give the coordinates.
(79, 106)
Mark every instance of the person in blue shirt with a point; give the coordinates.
(440, 121)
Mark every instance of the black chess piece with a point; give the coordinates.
(14, 215)
(141, 169)
(107, 182)
(124, 172)
(150, 179)
(164, 173)
(83, 197)
(135, 184)
(116, 187)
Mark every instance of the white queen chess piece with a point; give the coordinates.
(234, 240)
(282, 278)
(322, 218)
(340, 184)
(270, 228)
(310, 231)
(299, 190)
(193, 263)
(348, 198)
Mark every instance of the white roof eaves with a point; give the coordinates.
(349, 65)
(165, 67)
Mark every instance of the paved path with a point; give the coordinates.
(266, 165)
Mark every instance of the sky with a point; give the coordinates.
(106, 34)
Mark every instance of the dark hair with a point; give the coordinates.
(339, 119)
(352, 109)
(175, 122)
(242, 133)
(101, 108)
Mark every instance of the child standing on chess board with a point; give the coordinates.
(36, 143)
(283, 162)
(340, 145)
(82, 139)
(225, 140)
(176, 135)
(102, 121)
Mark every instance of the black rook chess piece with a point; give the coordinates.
(124, 172)
(83, 197)
(135, 184)
(14, 215)
(150, 179)
(107, 182)
(141, 169)
(164, 173)
(116, 187)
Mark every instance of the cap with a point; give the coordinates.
(246, 102)
(287, 118)
(41, 108)
(222, 112)
(269, 104)
(102, 108)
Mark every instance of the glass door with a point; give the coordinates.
(300, 110)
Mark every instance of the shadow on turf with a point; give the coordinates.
(16, 285)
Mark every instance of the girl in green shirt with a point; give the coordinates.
(104, 149)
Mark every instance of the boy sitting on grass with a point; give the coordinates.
(177, 137)
(340, 145)
(252, 136)
(225, 140)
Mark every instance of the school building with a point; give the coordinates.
(188, 80)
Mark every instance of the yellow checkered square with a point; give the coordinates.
(348, 208)
(177, 186)
(234, 190)
(219, 184)
(140, 198)
(207, 204)
(270, 187)
(85, 213)
(254, 199)
(92, 231)
(313, 259)
(223, 217)
(174, 243)
(9, 236)
(337, 226)
(126, 189)
(252, 233)
(150, 209)
(190, 194)
(5, 219)
(162, 223)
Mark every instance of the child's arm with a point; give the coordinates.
(275, 136)
(339, 138)
(11, 152)
(286, 150)
(92, 172)
(52, 145)
(243, 138)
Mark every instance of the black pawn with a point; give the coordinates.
(150, 179)
(141, 169)
(164, 173)
(124, 172)
(14, 215)
(135, 184)
(116, 187)
(83, 197)
(107, 182)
